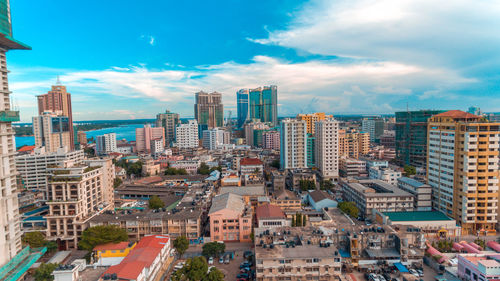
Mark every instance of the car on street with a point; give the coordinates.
(420, 272)
(211, 260)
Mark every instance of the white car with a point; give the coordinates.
(420, 273)
(211, 260)
(414, 272)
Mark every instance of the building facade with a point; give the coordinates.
(230, 218)
(311, 120)
(293, 144)
(327, 148)
(168, 121)
(243, 108)
(144, 136)
(271, 140)
(373, 126)
(421, 191)
(208, 109)
(353, 144)
(386, 174)
(106, 144)
(187, 135)
(52, 132)
(462, 168)
(263, 104)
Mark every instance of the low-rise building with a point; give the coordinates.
(376, 194)
(250, 194)
(231, 180)
(295, 176)
(287, 200)
(278, 180)
(150, 168)
(422, 193)
(191, 166)
(319, 200)
(479, 266)
(385, 174)
(251, 166)
(111, 253)
(270, 216)
(230, 218)
(350, 167)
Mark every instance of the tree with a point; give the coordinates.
(409, 170)
(44, 272)
(203, 169)
(173, 171)
(293, 221)
(304, 220)
(117, 182)
(349, 208)
(213, 249)
(298, 219)
(306, 185)
(326, 185)
(134, 168)
(214, 275)
(89, 151)
(275, 164)
(101, 234)
(34, 239)
(155, 203)
(181, 244)
(197, 269)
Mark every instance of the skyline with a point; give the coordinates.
(360, 57)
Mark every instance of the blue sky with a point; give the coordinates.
(133, 59)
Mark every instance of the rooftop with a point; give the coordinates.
(417, 216)
(250, 161)
(268, 211)
(411, 182)
(375, 188)
(458, 114)
(253, 190)
(227, 201)
(319, 195)
(112, 246)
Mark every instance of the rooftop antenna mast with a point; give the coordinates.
(58, 82)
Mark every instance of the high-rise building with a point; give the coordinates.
(10, 231)
(254, 132)
(327, 147)
(108, 176)
(311, 150)
(462, 169)
(353, 144)
(411, 136)
(311, 120)
(143, 137)
(243, 108)
(263, 104)
(213, 138)
(374, 126)
(187, 135)
(293, 152)
(76, 193)
(58, 101)
(272, 140)
(106, 144)
(81, 138)
(52, 131)
(208, 109)
(475, 110)
(168, 121)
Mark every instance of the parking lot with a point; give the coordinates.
(233, 268)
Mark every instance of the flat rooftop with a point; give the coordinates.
(376, 188)
(417, 216)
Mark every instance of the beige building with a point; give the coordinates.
(150, 168)
(311, 120)
(327, 148)
(462, 169)
(293, 144)
(82, 137)
(76, 194)
(108, 176)
(52, 131)
(287, 200)
(353, 144)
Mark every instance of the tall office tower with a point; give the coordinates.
(263, 104)
(52, 131)
(411, 137)
(33, 167)
(311, 120)
(143, 137)
(374, 126)
(58, 100)
(254, 132)
(293, 152)
(81, 138)
(168, 121)
(10, 232)
(475, 110)
(186, 135)
(462, 169)
(106, 144)
(208, 109)
(311, 151)
(212, 138)
(242, 105)
(272, 140)
(327, 148)
(353, 144)
(76, 194)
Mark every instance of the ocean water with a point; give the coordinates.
(122, 132)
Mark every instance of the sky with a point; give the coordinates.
(133, 59)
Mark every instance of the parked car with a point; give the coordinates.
(420, 273)
(245, 264)
(242, 275)
(211, 260)
(246, 254)
(414, 272)
(227, 259)
(221, 260)
(381, 278)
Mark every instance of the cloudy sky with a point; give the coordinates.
(132, 59)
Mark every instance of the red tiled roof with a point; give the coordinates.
(111, 246)
(149, 180)
(142, 256)
(269, 211)
(457, 114)
(250, 161)
(26, 148)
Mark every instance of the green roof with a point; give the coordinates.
(417, 216)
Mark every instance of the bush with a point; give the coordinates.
(349, 208)
(213, 249)
(181, 244)
(101, 234)
(44, 272)
(155, 203)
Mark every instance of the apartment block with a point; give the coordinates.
(52, 131)
(293, 144)
(462, 169)
(311, 120)
(187, 135)
(108, 176)
(349, 167)
(374, 126)
(353, 144)
(213, 138)
(422, 193)
(254, 133)
(168, 121)
(106, 144)
(208, 109)
(230, 218)
(327, 148)
(388, 175)
(144, 136)
(271, 140)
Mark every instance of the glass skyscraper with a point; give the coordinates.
(242, 106)
(260, 103)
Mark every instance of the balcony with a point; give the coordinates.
(9, 116)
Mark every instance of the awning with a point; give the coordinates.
(401, 267)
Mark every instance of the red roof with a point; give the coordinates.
(112, 246)
(149, 180)
(269, 211)
(458, 114)
(250, 161)
(142, 256)
(26, 148)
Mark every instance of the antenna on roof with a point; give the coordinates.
(58, 82)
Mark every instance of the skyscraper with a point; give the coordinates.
(373, 126)
(327, 147)
(208, 109)
(168, 121)
(263, 104)
(106, 144)
(10, 232)
(411, 136)
(187, 135)
(242, 103)
(293, 152)
(52, 131)
(462, 169)
(311, 120)
(58, 101)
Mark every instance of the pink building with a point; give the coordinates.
(479, 267)
(144, 136)
(272, 140)
(230, 218)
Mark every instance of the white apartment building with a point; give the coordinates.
(327, 148)
(213, 138)
(33, 168)
(106, 144)
(108, 176)
(187, 135)
(293, 144)
(52, 131)
(157, 147)
(386, 174)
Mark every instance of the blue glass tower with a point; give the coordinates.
(242, 103)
